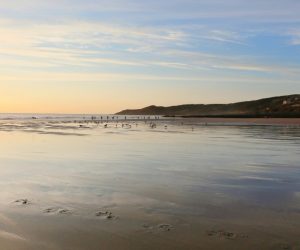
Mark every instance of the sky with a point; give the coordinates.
(103, 56)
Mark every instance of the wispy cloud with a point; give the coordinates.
(224, 36)
(91, 44)
(294, 34)
(255, 10)
(104, 78)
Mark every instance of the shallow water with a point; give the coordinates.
(166, 187)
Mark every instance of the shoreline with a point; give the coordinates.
(246, 121)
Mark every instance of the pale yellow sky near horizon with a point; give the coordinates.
(97, 97)
(93, 98)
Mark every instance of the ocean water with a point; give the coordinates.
(187, 176)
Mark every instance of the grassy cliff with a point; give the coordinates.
(281, 106)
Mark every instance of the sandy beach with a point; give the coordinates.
(255, 121)
(181, 184)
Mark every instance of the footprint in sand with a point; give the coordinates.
(50, 210)
(22, 202)
(222, 234)
(165, 227)
(64, 211)
(105, 215)
(160, 228)
(57, 210)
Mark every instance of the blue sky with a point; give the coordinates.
(97, 56)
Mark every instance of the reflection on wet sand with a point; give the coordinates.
(76, 184)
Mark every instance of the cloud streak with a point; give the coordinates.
(92, 44)
(253, 10)
(295, 36)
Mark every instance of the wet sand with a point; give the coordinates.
(253, 121)
(178, 185)
(220, 228)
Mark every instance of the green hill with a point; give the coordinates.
(281, 106)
